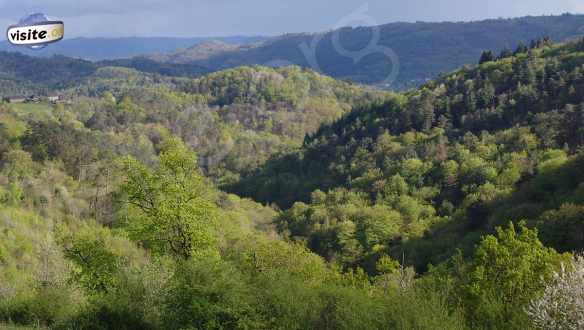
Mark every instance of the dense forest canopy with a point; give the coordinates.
(443, 163)
(262, 198)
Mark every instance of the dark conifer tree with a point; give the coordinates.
(487, 56)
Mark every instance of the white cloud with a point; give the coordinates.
(578, 5)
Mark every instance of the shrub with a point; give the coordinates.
(562, 304)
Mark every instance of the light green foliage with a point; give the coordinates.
(170, 208)
(10, 128)
(507, 270)
(96, 264)
(453, 158)
(33, 273)
(18, 165)
(35, 111)
(209, 294)
(276, 258)
(236, 119)
(410, 177)
(341, 226)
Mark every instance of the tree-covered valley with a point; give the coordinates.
(262, 198)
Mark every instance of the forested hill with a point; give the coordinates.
(424, 49)
(24, 75)
(235, 119)
(405, 213)
(446, 162)
(97, 49)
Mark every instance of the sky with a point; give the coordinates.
(198, 18)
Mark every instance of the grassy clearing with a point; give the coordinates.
(39, 111)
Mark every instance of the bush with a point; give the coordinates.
(133, 303)
(209, 294)
(562, 304)
(44, 306)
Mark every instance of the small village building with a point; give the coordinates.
(54, 98)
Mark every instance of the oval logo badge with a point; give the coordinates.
(35, 34)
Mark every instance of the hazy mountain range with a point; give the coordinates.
(415, 52)
(423, 50)
(118, 48)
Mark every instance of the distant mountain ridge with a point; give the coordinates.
(424, 50)
(96, 49)
(197, 52)
(22, 74)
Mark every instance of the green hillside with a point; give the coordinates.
(431, 170)
(104, 211)
(236, 119)
(458, 205)
(99, 49)
(23, 75)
